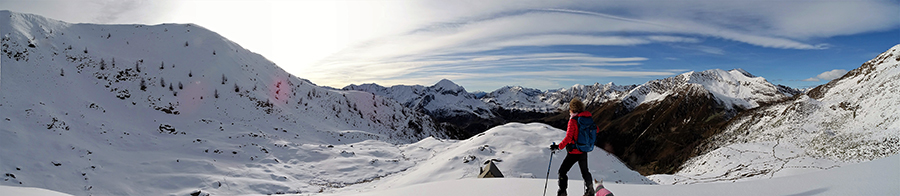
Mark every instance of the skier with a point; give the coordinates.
(580, 124)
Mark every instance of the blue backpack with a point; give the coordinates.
(587, 134)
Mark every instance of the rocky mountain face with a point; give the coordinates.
(850, 119)
(459, 111)
(655, 126)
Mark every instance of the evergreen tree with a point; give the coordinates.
(143, 85)
(137, 66)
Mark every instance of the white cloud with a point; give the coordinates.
(455, 33)
(813, 79)
(341, 42)
(827, 76)
(711, 50)
(561, 27)
(478, 68)
(666, 38)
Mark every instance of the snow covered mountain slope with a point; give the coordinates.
(518, 150)
(593, 94)
(169, 109)
(655, 126)
(520, 99)
(517, 98)
(850, 119)
(734, 88)
(445, 101)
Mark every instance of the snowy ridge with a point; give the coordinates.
(735, 88)
(850, 119)
(170, 109)
(443, 99)
(518, 98)
(593, 94)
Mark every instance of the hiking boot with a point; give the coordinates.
(589, 191)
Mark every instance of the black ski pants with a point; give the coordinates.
(567, 164)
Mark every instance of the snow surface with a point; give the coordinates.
(28, 191)
(853, 119)
(519, 151)
(879, 177)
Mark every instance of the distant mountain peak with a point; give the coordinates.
(732, 88)
(742, 71)
(446, 84)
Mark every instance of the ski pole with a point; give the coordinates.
(552, 151)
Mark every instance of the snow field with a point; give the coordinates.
(519, 151)
(879, 177)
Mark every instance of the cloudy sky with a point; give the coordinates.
(484, 45)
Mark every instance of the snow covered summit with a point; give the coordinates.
(733, 89)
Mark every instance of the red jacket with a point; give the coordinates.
(572, 132)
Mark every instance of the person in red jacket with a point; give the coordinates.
(576, 109)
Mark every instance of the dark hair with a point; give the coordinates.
(576, 105)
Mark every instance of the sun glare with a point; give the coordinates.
(293, 34)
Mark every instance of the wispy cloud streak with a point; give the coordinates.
(464, 47)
